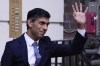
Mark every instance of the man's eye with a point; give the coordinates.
(42, 23)
(47, 24)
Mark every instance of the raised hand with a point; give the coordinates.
(79, 15)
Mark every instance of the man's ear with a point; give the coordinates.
(29, 22)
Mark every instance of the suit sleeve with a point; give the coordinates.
(78, 43)
(75, 47)
(7, 57)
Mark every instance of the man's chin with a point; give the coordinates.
(41, 36)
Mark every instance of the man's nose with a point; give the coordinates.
(45, 27)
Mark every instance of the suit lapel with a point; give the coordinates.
(43, 52)
(41, 47)
(23, 49)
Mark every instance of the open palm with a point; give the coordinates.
(80, 17)
(78, 14)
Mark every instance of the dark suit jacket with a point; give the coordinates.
(15, 53)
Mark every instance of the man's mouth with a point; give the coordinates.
(43, 32)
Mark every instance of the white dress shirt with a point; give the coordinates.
(30, 50)
(82, 32)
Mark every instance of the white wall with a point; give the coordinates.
(55, 7)
(4, 9)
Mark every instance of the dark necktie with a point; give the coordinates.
(38, 56)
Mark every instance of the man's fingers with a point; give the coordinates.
(80, 7)
(86, 10)
(73, 8)
(76, 7)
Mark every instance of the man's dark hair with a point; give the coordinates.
(36, 13)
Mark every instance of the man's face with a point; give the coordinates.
(39, 27)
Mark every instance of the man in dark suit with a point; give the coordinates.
(20, 51)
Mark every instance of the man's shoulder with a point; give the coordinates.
(16, 40)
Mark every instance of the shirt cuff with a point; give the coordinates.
(82, 32)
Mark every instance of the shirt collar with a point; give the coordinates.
(29, 41)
